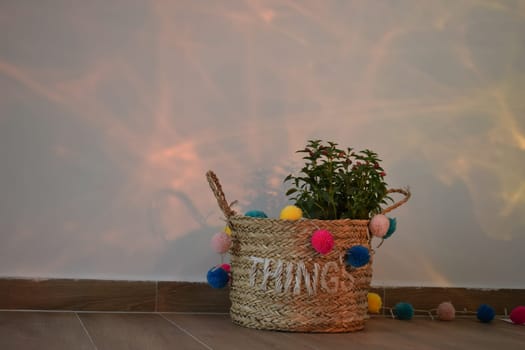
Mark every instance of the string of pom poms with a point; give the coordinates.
(446, 312)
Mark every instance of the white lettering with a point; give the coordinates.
(253, 270)
(278, 275)
(289, 277)
(303, 274)
(267, 273)
(330, 275)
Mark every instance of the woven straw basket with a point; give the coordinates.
(279, 282)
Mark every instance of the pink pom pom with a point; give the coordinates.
(517, 315)
(226, 267)
(322, 241)
(379, 225)
(446, 311)
(221, 242)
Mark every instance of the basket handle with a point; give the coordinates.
(405, 192)
(216, 188)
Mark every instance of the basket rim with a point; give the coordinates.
(251, 218)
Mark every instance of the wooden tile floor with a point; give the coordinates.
(115, 331)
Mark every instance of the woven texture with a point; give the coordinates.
(279, 282)
(272, 289)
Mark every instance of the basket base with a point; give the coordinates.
(306, 326)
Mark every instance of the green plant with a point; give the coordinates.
(338, 184)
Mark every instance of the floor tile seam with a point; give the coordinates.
(182, 329)
(118, 312)
(86, 331)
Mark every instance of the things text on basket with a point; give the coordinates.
(289, 276)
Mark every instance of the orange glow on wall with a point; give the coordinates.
(111, 113)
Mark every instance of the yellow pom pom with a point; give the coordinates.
(291, 212)
(227, 230)
(374, 303)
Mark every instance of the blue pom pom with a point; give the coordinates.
(485, 313)
(256, 214)
(217, 277)
(357, 256)
(391, 228)
(403, 311)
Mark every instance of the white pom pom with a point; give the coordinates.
(379, 225)
(221, 242)
(446, 311)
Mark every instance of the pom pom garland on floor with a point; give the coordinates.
(517, 315)
(374, 303)
(446, 311)
(217, 277)
(379, 225)
(357, 256)
(322, 241)
(485, 313)
(291, 212)
(403, 311)
(221, 242)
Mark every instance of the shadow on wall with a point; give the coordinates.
(177, 256)
(189, 252)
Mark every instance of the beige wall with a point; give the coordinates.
(112, 111)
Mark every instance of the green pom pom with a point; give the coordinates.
(391, 228)
(403, 311)
(256, 214)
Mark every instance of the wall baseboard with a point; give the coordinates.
(166, 296)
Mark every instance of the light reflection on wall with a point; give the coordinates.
(112, 113)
